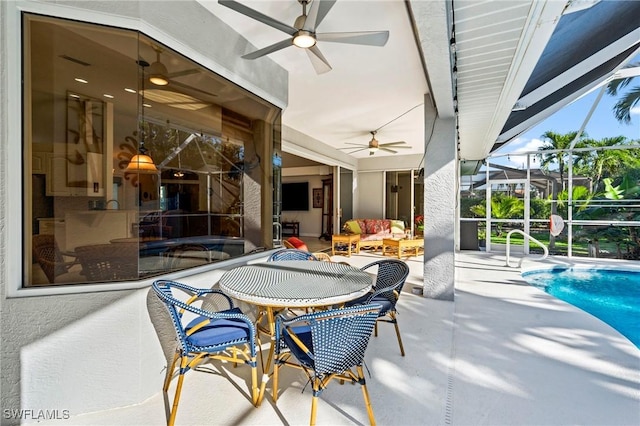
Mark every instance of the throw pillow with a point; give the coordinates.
(397, 227)
(352, 227)
(297, 243)
(373, 226)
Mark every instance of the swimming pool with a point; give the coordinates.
(613, 295)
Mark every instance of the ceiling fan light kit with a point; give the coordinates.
(304, 39)
(158, 80)
(158, 72)
(303, 32)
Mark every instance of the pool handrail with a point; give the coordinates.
(524, 234)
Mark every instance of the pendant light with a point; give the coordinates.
(142, 162)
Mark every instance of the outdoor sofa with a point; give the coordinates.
(372, 231)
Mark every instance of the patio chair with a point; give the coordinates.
(49, 257)
(291, 254)
(186, 256)
(326, 345)
(321, 256)
(295, 243)
(390, 279)
(205, 334)
(109, 262)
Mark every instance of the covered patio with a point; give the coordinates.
(548, 364)
(482, 347)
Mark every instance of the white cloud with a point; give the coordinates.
(512, 155)
(529, 145)
(635, 110)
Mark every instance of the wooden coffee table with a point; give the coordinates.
(348, 240)
(397, 247)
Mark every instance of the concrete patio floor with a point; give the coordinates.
(504, 353)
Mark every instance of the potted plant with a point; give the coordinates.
(482, 239)
(419, 223)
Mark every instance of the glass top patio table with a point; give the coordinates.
(296, 283)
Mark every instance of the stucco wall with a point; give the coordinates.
(100, 350)
(440, 192)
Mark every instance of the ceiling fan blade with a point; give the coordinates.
(258, 16)
(357, 144)
(381, 148)
(318, 61)
(393, 143)
(367, 38)
(317, 13)
(269, 49)
(394, 146)
(191, 88)
(358, 150)
(183, 73)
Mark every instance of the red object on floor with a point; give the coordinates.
(297, 243)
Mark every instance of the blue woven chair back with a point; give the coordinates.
(392, 274)
(291, 254)
(340, 341)
(164, 291)
(221, 309)
(339, 337)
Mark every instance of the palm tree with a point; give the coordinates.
(580, 196)
(601, 163)
(622, 109)
(502, 207)
(555, 141)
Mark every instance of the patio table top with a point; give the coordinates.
(296, 283)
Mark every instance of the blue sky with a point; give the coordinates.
(602, 124)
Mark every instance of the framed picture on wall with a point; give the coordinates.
(317, 198)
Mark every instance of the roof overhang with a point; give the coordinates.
(584, 52)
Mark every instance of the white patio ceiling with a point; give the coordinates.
(497, 46)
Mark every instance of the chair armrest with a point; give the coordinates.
(389, 289)
(199, 292)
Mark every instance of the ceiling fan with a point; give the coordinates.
(373, 146)
(303, 32)
(159, 75)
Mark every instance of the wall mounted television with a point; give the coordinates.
(295, 196)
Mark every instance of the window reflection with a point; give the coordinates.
(96, 96)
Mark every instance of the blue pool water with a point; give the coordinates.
(609, 294)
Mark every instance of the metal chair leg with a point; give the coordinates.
(314, 401)
(276, 369)
(254, 382)
(395, 324)
(176, 398)
(167, 379)
(365, 394)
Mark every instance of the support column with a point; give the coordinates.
(440, 189)
(258, 188)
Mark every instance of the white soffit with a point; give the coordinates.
(497, 46)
